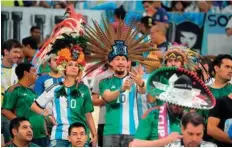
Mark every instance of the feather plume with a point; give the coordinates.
(69, 29)
(101, 42)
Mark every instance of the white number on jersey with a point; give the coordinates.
(121, 98)
(73, 103)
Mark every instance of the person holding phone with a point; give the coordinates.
(118, 90)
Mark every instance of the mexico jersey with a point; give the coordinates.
(69, 105)
(121, 114)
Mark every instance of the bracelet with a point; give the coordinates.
(142, 84)
(46, 117)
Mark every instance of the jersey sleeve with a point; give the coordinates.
(10, 100)
(88, 105)
(144, 129)
(39, 87)
(103, 87)
(45, 98)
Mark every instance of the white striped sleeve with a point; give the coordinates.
(45, 98)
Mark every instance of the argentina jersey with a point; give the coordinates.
(129, 112)
(69, 105)
(45, 81)
(8, 76)
(122, 114)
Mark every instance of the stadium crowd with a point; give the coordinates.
(151, 93)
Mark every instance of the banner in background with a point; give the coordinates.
(188, 28)
(215, 40)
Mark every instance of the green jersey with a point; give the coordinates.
(122, 113)
(221, 92)
(44, 68)
(19, 99)
(148, 127)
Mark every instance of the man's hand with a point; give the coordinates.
(49, 117)
(173, 137)
(94, 141)
(136, 77)
(52, 119)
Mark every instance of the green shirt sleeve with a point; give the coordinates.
(10, 100)
(147, 129)
(103, 87)
(88, 104)
(143, 131)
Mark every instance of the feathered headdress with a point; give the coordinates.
(106, 44)
(67, 41)
(190, 59)
(177, 52)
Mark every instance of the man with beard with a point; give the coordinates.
(119, 91)
(178, 87)
(222, 65)
(21, 133)
(11, 51)
(18, 99)
(192, 127)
